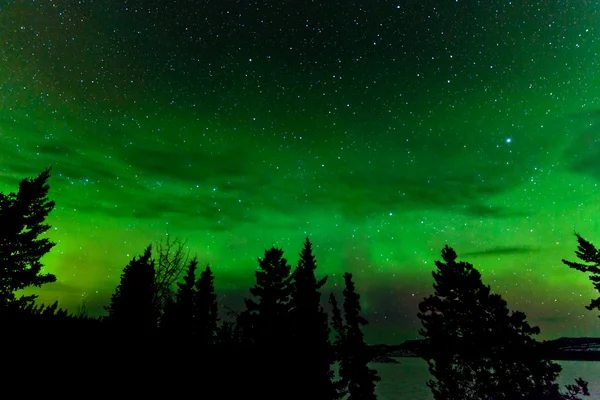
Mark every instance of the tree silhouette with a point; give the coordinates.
(206, 310)
(22, 221)
(588, 253)
(337, 322)
(133, 310)
(177, 318)
(270, 311)
(313, 355)
(356, 354)
(339, 341)
(477, 349)
(574, 391)
(267, 325)
(172, 259)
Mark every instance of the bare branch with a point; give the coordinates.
(172, 259)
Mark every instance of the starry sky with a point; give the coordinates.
(381, 129)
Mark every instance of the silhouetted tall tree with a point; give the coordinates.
(268, 322)
(477, 349)
(356, 354)
(270, 311)
(339, 341)
(178, 315)
(133, 310)
(206, 310)
(22, 221)
(337, 322)
(590, 255)
(313, 352)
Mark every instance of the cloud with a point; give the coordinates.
(59, 287)
(583, 151)
(487, 211)
(502, 250)
(362, 193)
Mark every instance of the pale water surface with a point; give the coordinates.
(407, 380)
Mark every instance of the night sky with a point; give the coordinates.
(381, 129)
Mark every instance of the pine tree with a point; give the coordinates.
(313, 350)
(206, 310)
(477, 349)
(133, 310)
(22, 221)
(590, 255)
(356, 354)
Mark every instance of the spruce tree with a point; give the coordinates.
(337, 322)
(313, 350)
(477, 349)
(206, 310)
(339, 341)
(356, 354)
(269, 309)
(184, 301)
(590, 255)
(133, 310)
(268, 323)
(22, 221)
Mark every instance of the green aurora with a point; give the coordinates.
(381, 130)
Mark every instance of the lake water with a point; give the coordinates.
(407, 380)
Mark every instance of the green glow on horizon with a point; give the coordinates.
(381, 148)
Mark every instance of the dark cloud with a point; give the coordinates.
(187, 164)
(61, 287)
(502, 250)
(362, 193)
(183, 211)
(487, 211)
(583, 152)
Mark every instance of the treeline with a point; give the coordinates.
(283, 345)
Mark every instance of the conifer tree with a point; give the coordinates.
(184, 301)
(133, 310)
(477, 349)
(337, 323)
(313, 350)
(590, 255)
(22, 221)
(356, 355)
(206, 310)
(268, 323)
(339, 341)
(269, 310)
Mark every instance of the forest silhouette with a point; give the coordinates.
(162, 334)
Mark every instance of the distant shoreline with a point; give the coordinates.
(561, 349)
